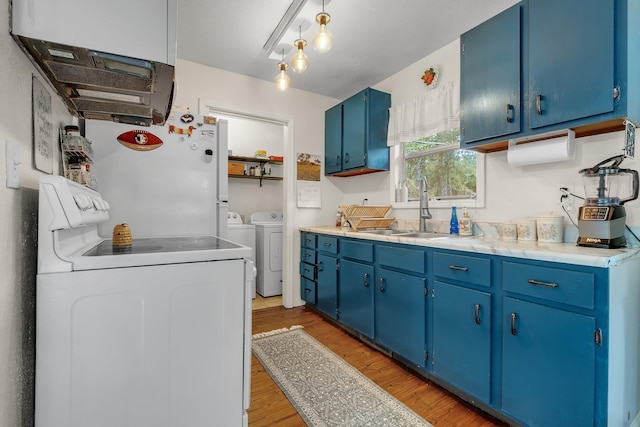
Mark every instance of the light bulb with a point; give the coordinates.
(299, 61)
(323, 39)
(283, 81)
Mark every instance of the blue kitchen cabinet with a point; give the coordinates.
(333, 140)
(356, 134)
(357, 284)
(400, 310)
(548, 365)
(579, 70)
(327, 285)
(571, 60)
(308, 260)
(490, 103)
(461, 352)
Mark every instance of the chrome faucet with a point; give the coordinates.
(424, 204)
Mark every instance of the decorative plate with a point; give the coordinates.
(430, 77)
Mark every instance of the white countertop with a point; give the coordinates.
(568, 253)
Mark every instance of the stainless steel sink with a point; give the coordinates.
(423, 235)
(385, 232)
(406, 233)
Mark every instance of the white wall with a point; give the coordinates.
(18, 231)
(305, 113)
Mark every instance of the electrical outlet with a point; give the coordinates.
(565, 195)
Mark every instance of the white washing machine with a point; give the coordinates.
(244, 234)
(268, 252)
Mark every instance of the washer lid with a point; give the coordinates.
(266, 217)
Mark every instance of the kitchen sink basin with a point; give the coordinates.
(406, 233)
(423, 235)
(385, 232)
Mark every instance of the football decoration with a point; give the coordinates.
(139, 140)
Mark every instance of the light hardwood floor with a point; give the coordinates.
(270, 407)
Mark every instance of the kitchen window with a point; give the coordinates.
(454, 176)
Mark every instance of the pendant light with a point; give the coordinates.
(323, 39)
(282, 80)
(299, 61)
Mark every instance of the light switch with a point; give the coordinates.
(12, 158)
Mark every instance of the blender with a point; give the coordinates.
(601, 221)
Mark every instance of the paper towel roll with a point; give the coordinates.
(548, 150)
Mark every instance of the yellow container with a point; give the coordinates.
(236, 168)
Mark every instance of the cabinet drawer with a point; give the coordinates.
(308, 290)
(468, 269)
(308, 271)
(554, 284)
(356, 250)
(402, 258)
(308, 240)
(308, 255)
(328, 244)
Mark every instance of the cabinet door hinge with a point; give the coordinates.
(462, 48)
(337, 313)
(426, 291)
(426, 355)
(337, 265)
(616, 93)
(597, 337)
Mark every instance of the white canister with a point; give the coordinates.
(550, 228)
(509, 231)
(527, 229)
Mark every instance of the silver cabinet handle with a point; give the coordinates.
(346, 157)
(320, 266)
(381, 284)
(546, 284)
(455, 267)
(539, 104)
(513, 324)
(327, 244)
(337, 160)
(510, 113)
(477, 314)
(366, 280)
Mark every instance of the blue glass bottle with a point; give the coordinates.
(453, 224)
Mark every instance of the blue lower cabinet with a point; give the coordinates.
(548, 365)
(461, 352)
(357, 283)
(400, 320)
(327, 285)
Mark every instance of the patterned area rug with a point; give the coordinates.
(324, 389)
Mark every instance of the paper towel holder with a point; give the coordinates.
(539, 153)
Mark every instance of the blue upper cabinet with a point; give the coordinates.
(356, 134)
(579, 69)
(490, 96)
(571, 60)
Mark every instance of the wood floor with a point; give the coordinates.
(270, 407)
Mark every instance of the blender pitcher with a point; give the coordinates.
(608, 185)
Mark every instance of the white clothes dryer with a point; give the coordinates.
(244, 234)
(268, 252)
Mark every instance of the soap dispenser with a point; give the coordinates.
(465, 226)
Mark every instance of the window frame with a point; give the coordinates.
(397, 175)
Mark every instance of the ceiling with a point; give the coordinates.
(373, 39)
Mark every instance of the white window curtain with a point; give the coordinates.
(435, 111)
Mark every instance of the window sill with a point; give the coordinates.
(440, 204)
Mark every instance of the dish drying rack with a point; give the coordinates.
(366, 217)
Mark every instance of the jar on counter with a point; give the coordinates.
(549, 228)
